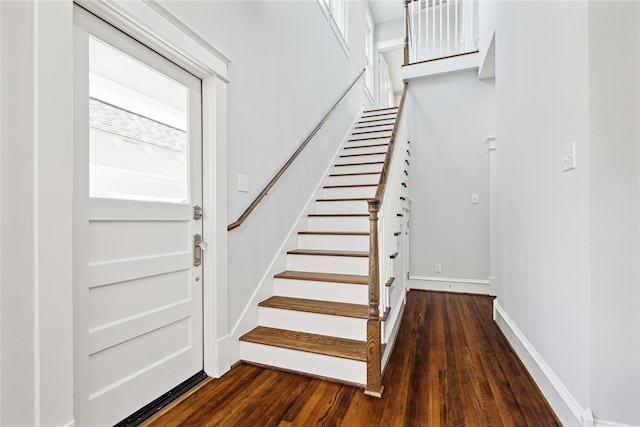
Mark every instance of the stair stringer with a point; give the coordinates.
(265, 288)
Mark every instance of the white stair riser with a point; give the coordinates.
(364, 149)
(368, 134)
(353, 224)
(326, 291)
(328, 264)
(352, 371)
(349, 192)
(366, 124)
(344, 207)
(313, 323)
(355, 180)
(333, 242)
(364, 141)
(357, 168)
(374, 126)
(375, 113)
(348, 158)
(387, 116)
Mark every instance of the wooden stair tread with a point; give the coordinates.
(370, 131)
(369, 138)
(360, 163)
(331, 215)
(350, 185)
(312, 343)
(326, 252)
(375, 126)
(351, 147)
(379, 109)
(347, 199)
(358, 311)
(323, 277)
(374, 119)
(354, 174)
(335, 233)
(362, 154)
(385, 113)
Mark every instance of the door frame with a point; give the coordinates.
(157, 28)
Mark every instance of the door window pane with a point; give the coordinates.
(137, 129)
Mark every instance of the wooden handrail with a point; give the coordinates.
(277, 176)
(387, 160)
(374, 333)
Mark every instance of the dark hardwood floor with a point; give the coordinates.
(451, 367)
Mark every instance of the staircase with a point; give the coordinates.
(316, 323)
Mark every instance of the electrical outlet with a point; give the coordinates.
(438, 267)
(243, 183)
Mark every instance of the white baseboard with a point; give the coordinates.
(603, 423)
(224, 359)
(561, 400)
(449, 284)
(558, 396)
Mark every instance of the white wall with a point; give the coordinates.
(390, 30)
(568, 295)
(542, 212)
(451, 117)
(287, 70)
(614, 185)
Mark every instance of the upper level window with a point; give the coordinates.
(336, 10)
(368, 47)
(339, 15)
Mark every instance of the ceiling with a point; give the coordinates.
(386, 10)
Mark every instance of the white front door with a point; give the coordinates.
(137, 178)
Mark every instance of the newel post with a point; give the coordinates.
(374, 353)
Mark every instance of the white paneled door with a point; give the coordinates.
(137, 184)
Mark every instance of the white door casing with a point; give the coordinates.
(138, 295)
(385, 98)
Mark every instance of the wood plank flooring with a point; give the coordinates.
(451, 366)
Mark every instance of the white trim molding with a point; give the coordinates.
(391, 44)
(449, 284)
(604, 423)
(449, 65)
(148, 21)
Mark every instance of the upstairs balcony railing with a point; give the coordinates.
(439, 28)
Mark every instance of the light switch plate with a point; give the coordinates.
(243, 183)
(569, 156)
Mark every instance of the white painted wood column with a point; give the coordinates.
(493, 279)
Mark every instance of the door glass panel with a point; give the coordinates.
(137, 129)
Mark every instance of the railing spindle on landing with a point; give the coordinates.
(439, 28)
(383, 211)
